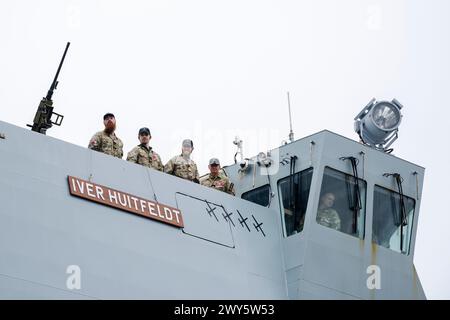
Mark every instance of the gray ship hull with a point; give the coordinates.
(229, 248)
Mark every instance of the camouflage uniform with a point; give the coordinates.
(107, 143)
(219, 182)
(145, 156)
(180, 167)
(329, 218)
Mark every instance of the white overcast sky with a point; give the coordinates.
(210, 70)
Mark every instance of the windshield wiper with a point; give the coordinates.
(293, 190)
(403, 219)
(354, 198)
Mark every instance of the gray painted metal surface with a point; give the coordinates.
(221, 253)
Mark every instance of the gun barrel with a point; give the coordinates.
(55, 80)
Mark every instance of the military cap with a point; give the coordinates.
(144, 130)
(188, 143)
(214, 161)
(108, 115)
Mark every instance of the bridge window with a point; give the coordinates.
(259, 195)
(342, 203)
(392, 220)
(294, 193)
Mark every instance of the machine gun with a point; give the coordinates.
(43, 118)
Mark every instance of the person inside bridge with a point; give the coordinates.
(326, 215)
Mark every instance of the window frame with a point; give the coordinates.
(280, 200)
(408, 251)
(363, 203)
(258, 188)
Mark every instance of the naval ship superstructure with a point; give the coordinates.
(79, 224)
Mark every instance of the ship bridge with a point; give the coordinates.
(348, 216)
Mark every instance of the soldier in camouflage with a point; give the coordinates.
(143, 153)
(216, 179)
(326, 215)
(183, 166)
(106, 141)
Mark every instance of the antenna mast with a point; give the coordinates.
(291, 133)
